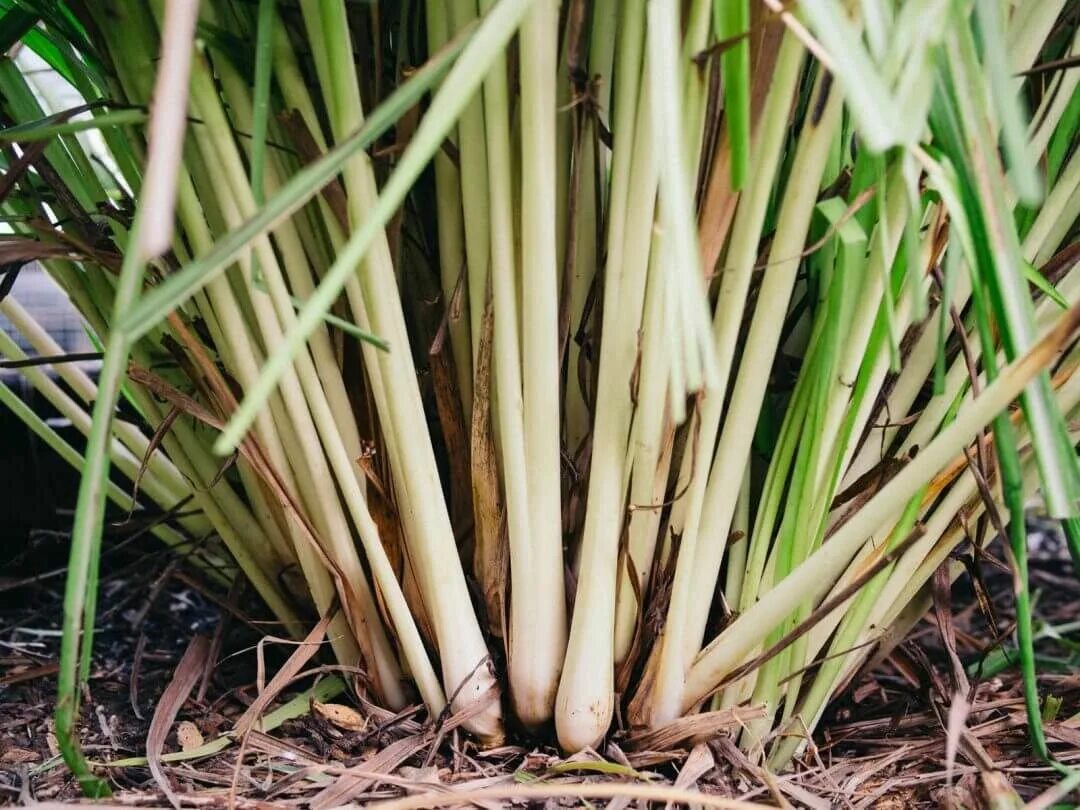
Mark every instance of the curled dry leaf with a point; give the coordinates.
(343, 717)
(18, 756)
(188, 735)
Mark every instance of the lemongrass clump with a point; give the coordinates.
(453, 392)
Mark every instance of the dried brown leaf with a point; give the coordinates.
(186, 675)
(188, 735)
(18, 756)
(344, 717)
(691, 727)
(488, 563)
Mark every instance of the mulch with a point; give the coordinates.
(923, 728)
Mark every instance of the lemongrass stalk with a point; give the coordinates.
(733, 19)
(342, 637)
(1055, 102)
(538, 606)
(603, 38)
(812, 482)
(269, 513)
(565, 118)
(693, 362)
(275, 431)
(813, 578)
(754, 580)
(159, 198)
(1028, 30)
(869, 372)
(230, 332)
(516, 186)
(746, 399)
(942, 532)
(220, 154)
(918, 366)
(364, 617)
(584, 261)
(314, 425)
(475, 203)
(647, 462)
(471, 277)
(1050, 227)
(734, 285)
(402, 495)
(699, 563)
(530, 691)
(629, 60)
(813, 702)
(789, 544)
(136, 83)
(452, 269)
(590, 167)
(294, 263)
(427, 525)
(586, 697)
(882, 252)
(739, 545)
(296, 96)
(695, 81)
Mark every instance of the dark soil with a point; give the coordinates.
(884, 744)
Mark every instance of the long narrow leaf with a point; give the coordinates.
(492, 35)
(304, 185)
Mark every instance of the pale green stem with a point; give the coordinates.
(1052, 224)
(236, 203)
(538, 607)
(648, 461)
(586, 692)
(813, 578)
(693, 360)
(452, 236)
(739, 545)
(585, 261)
(699, 563)
(530, 691)
(475, 204)
(734, 284)
(428, 532)
(1027, 34)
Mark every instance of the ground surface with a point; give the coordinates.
(885, 744)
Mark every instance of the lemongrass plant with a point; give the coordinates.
(668, 388)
